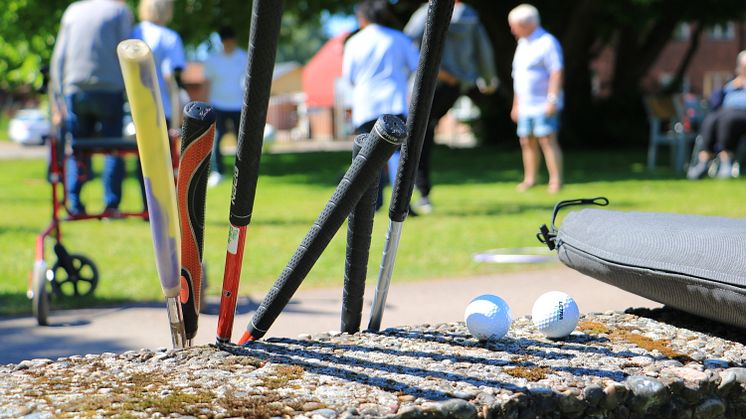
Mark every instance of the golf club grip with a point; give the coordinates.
(359, 230)
(438, 19)
(266, 16)
(388, 134)
(197, 137)
(153, 146)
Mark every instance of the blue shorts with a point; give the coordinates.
(537, 126)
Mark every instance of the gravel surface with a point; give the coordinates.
(614, 365)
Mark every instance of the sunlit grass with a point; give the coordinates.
(476, 208)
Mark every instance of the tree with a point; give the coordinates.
(637, 30)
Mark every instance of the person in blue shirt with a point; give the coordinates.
(169, 58)
(467, 61)
(89, 89)
(378, 62)
(723, 128)
(537, 100)
(167, 47)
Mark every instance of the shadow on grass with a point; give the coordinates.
(20, 229)
(484, 164)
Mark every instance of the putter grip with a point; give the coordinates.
(197, 136)
(438, 19)
(388, 134)
(262, 50)
(359, 230)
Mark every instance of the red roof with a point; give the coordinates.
(321, 72)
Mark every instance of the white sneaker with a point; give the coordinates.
(214, 179)
(424, 205)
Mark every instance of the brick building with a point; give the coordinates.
(712, 65)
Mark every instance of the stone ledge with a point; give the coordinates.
(615, 365)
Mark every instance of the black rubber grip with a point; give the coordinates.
(388, 134)
(438, 18)
(359, 230)
(197, 136)
(266, 16)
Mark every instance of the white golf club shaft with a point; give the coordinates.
(176, 322)
(393, 234)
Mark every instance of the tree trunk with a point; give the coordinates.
(577, 43)
(678, 79)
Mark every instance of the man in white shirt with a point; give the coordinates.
(537, 86)
(378, 62)
(225, 72)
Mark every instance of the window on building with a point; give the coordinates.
(723, 32)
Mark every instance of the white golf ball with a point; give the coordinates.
(555, 314)
(488, 317)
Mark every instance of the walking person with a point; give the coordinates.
(538, 97)
(723, 128)
(378, 61)
(86, 76)
(225, 72)
(468, 61)
(167, 47)
(168, 55)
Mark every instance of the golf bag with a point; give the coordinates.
(696, 264)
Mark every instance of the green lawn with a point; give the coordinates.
(477, 208)
(4, 124)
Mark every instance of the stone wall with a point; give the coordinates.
(615, 365)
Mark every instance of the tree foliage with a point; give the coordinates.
(636, 29)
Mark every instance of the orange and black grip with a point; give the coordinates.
(197, 137)
(388, 134)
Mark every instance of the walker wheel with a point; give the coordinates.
(40, 298)
(79, 281)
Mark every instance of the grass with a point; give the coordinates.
(4, 124)
(477, 208)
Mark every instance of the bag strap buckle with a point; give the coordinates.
(549, 237)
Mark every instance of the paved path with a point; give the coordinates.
(144, 325)
(13, 151)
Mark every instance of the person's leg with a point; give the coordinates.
(78, 170)
(546, 131)
(443, 99)
(110, 114)
(709, 135)
(530, 156)
(529, 153)
(731, 127)
(708, 131)
(553, 158)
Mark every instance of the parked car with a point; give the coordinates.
(29, 126)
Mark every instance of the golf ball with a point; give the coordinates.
(488, 317)
(555, 314)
